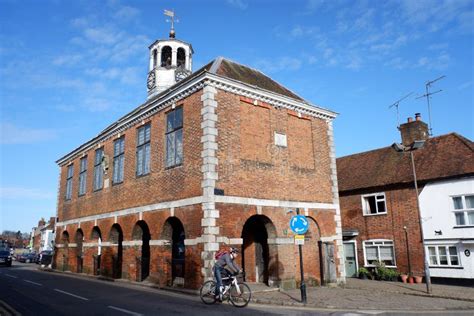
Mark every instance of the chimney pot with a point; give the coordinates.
(410, 119)
(418, 116)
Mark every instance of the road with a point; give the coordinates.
(33, 292)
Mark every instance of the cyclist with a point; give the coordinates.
(226, 260)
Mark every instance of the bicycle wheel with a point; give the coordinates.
(207, 292)
(240, 299)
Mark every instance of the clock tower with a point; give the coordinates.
(170, 61)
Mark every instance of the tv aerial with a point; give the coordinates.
(428, 95)
(397, 104)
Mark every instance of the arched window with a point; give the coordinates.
(155, 57)
(181, 58)
(166, 56)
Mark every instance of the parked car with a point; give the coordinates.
(5, 257)
(27, 257)
(44, 257)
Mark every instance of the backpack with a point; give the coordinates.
(219, 254)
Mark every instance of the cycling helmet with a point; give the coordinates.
(234, 250)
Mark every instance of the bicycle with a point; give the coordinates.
(239, 294)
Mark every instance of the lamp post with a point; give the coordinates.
(417, 144)
(408, 250)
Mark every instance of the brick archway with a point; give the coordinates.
(79, 239)
(63, 252)
(115, 251)
(312, 251)
(257, 253)
(141, 232)
(96, 237)
(173, 231)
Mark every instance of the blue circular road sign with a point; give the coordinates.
(299, 224)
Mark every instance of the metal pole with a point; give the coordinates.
(430, 130)
(427, 269)
(303, 285)
(408, 251)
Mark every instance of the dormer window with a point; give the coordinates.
(181, 57)
(166, 57)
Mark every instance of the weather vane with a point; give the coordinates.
(170, 13)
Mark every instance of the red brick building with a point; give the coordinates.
(213, 160)
(378, 200)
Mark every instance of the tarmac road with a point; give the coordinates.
(32, 292)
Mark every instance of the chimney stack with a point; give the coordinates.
(414, 130)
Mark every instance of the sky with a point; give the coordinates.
(68, 69)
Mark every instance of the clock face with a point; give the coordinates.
(150, 82)
(180, 74)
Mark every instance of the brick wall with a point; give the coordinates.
(161, 184)
(251, 165)
(401, 211)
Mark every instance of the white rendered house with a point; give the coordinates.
(447, 210)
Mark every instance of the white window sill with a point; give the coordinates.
(446, 267)
(374, 266)
(374, 214)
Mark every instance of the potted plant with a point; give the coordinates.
(381, 272)
(363, 273)
(404, 277)
(418, 279)
(392, 275)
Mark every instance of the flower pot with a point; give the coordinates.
(418, 279)
(404, 278)
(410, 280)
(363, 276)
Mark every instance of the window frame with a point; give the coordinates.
(69, 180)
(366, 205)
(385, 242)
(448, 256)
(465, 210)
(175, 130)
(119, 158)
(145, 149)
(98, 170)
(82, 176)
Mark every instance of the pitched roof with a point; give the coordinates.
(227, 68)
(441, 157)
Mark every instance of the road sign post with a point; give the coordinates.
(299, 225)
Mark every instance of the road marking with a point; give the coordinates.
(124, 310)
(32, 282)
(11, 276)
(73, 295)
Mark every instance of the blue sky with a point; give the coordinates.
(68, 69)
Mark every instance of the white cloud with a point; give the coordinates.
(67, 60)
(12, 134)
(126, 13)
(25, 193)
(127, 75)
(238, 4)
(465, 85)
(439, 62)
(102, 35)
(282, 63)
(446, 15)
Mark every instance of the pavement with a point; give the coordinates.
(372, 295)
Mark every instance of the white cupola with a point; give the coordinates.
(170, 61)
